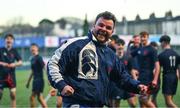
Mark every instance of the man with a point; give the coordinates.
(169, 61)
(133, 68)
(82, 67)
(116, 94)
(148, 67)
(37, 65)
(8, 56)
(136, 44)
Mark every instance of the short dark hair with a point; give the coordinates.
(34, 44)
(144, 33)
(154, 44)
(114, 37)
(120, 41)
(9, 35)
(165, 38)
(106, 15)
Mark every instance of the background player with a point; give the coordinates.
(37, 65)
(169, 61)
(9, 59)
(148, 67)
(133, 45)
(125, 58)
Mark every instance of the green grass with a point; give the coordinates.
(23, 93)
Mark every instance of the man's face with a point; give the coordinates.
(103, 29)
(144, 39)
(34, 49)
(119, 49)
(9, 41)
(136, 41)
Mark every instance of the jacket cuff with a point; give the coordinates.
(60, 85)
(137, 90)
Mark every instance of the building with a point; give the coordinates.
(165, 25)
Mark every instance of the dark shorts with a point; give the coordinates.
(8, 81)
(38, 86)
(169, 85)
(117, 93)
(128, 95)
(145, 77)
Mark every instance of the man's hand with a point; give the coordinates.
(12, 65)
(154, 83)
(143, 89)
(67, 91)
(152, 88)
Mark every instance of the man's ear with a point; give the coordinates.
(93, 26)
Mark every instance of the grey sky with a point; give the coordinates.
(32, 11)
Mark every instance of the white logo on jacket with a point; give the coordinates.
(88, 62)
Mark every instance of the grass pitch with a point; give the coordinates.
(23, 93)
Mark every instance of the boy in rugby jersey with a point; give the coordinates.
(37, 66)
(147, 59)
(9, 60)
(169, 61)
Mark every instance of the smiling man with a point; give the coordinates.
(82, 68)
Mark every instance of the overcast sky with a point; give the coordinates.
(32, 11)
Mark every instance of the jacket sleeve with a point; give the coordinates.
(122, 79)
(56, 66)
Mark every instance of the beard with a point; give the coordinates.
(102, 33)
(102, 36)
